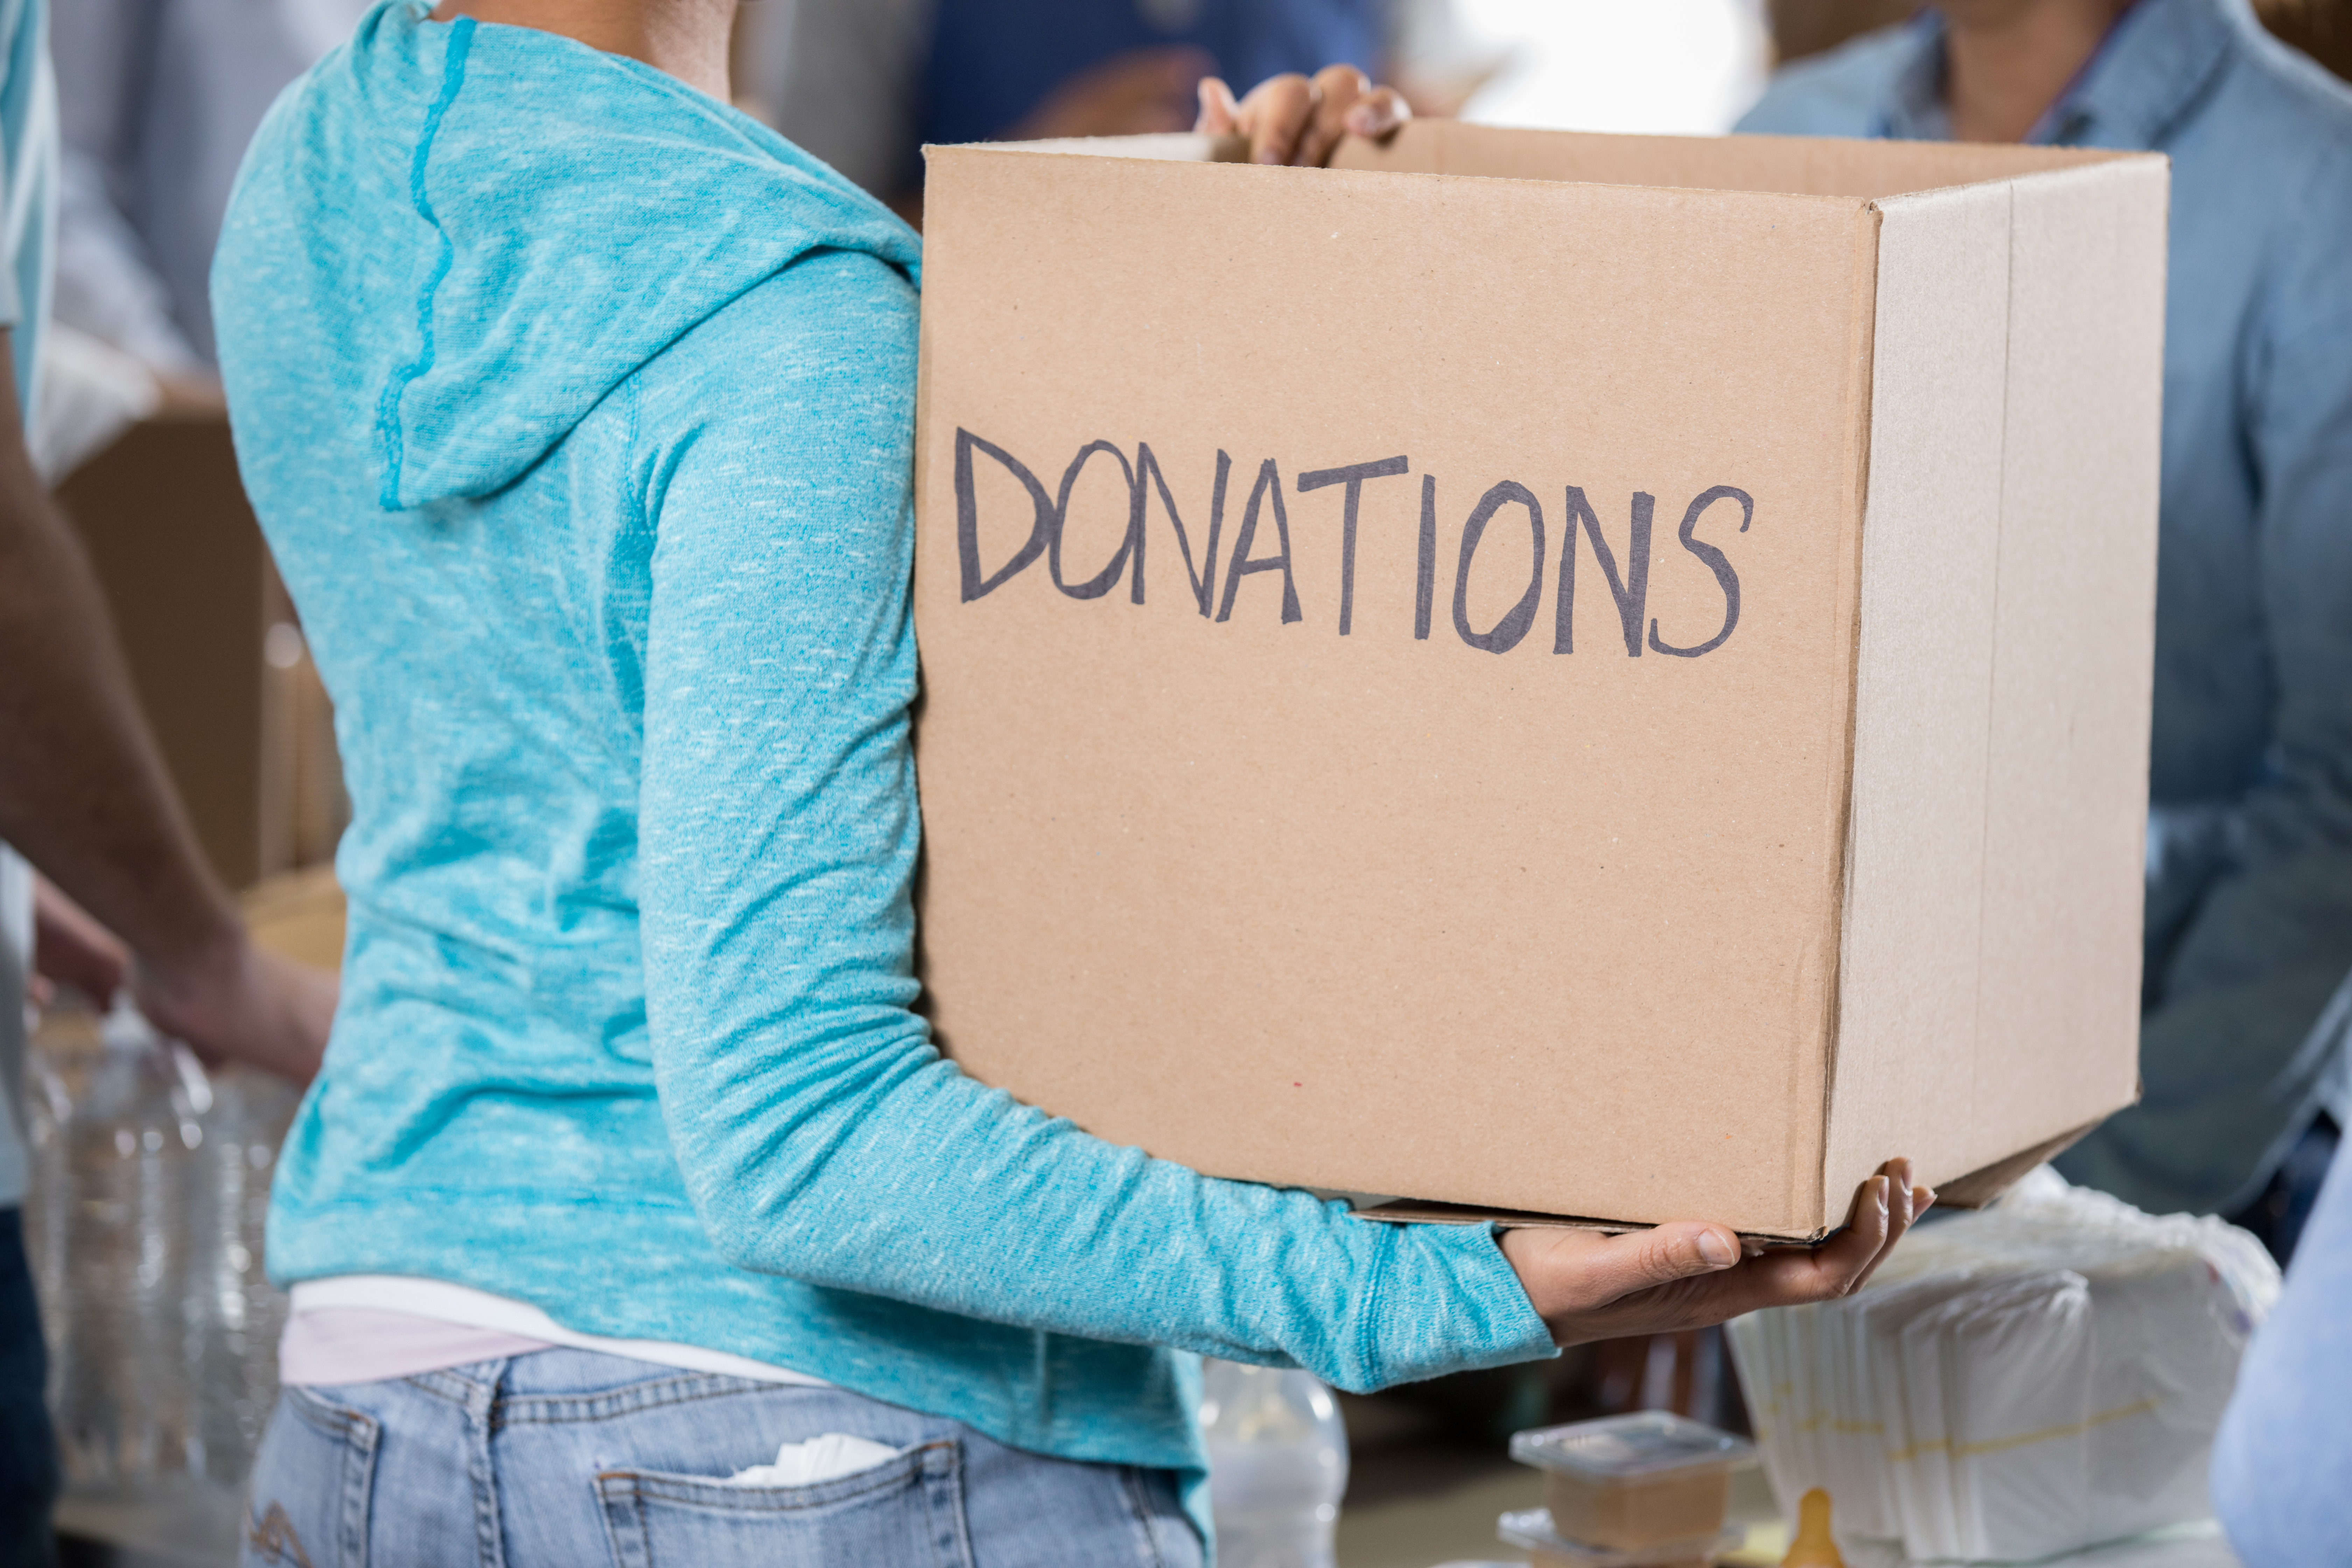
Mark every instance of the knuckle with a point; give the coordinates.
(1660, 1256)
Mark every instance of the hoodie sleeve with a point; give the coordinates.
(821, 1135)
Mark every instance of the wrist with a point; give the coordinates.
(207, 959)
(1520, 1248)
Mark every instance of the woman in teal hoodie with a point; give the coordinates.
(578, 408)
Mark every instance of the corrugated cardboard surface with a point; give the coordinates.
(1511, 925)
(2075, 663)
(189, 583)
(1910, 972)
(2005, 655)
(1803, 166)
(299, 915)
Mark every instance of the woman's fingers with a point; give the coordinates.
(1687, 1275)
(1276, 113)
(1291, 119)
(1378, 113)
(1883, 1210)
(1794, 1276)
(1220, 112)
(1644, 1260)
(1338, 89)
(1350, 104)
(1910, 1200)
(1571, 1273)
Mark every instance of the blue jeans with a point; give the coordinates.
(567, 1459)
(28, 1455)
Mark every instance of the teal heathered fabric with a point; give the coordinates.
(579, 410)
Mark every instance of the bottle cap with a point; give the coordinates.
(1814, 1546)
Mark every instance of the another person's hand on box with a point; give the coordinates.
(1299, 120)
(1686, 1275)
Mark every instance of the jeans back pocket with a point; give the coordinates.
(905, 1510)
(307, 1502)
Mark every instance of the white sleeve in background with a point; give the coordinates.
(1431, 39)
(108, 284)
(15, 966)
(91, 393)
(159, 100)
(842, 78)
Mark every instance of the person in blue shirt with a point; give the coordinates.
(2248, 924)
(578, 407)
(2284, 1453)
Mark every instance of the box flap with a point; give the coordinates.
(1798, 165)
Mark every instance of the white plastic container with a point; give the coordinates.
(1531, 1529)
(1638, 1482)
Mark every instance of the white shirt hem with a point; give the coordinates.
(465, 1307)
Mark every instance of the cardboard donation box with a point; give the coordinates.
(1599, 676)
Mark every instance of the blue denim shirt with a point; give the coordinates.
(2285, 1445)
(2250, 776)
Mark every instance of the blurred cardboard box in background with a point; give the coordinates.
(211, 641)
(299, 915)
(1599, 676)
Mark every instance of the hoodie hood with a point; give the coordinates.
(564, 215)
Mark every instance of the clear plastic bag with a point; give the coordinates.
(126, 1344)
(2014, 1383)
(150, 1188)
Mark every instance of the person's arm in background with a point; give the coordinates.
(2272, 936)
(107, 283)
(820, 1133)
(84, 797)
(2284, 1453)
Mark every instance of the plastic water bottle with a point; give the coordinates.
(124, 1399)
(235, 1313)
(149, 1187)
(48, 1201)
(1277, 1465)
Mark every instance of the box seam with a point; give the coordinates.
(2000, 542)
(1864, 373)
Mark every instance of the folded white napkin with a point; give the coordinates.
(824, 1458)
